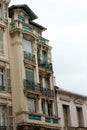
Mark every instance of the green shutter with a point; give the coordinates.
(50, 111)
(30, 74)
(8, 79)
(44, 57)
(43, 107)
(47, 83)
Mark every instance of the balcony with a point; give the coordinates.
(29, 56)
(47, 92)
(37, 119)
(31, 86)
(46, 66)
(23, 26)
(2, 88)
(42, 41)
(51, 120)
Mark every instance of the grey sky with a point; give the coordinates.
(66, 23)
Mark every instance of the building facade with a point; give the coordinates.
(6, 117)
(27, 88)
(72, 109)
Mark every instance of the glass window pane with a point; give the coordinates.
(44, 57)
(27, 46)
(31, 105)
(30, 74)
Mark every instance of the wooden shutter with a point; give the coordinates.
(50, 111)
(1, 41)
(8, 79)
(43, 107)
(44, 57)
(0, 11)
(9, 118)
(47, 83)
(30, 74)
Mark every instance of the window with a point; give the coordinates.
(1, 41)
(2, 116)
(1, 79)
(44, 57)
(27, 46)
(29, 74)
(5, 11)
(50, 112)
(31, 105)
(79, 116)
(40, 80)
(0, 12)
(21, 18)
(43, 107)
(47, 83)
(10, 116)
(30, 77)
(66, 113)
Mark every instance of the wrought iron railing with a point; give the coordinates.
(29, 56)
(47, 92)
(28, 85)
(2, 88)
(45, 65)
(2, 127)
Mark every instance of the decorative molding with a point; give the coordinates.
(65, 99)
(78, 101)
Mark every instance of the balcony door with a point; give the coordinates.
(30, 78)
(44, 57)
(27, 46)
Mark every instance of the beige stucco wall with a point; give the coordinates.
(73, 101)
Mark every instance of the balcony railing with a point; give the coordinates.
(19, 25)
(34, 117)
(46, 66)
(2, 88)
(28, 85)
(29, 56)
(47, 92)
(2, 127)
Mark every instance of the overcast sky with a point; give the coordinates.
(66, 23)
